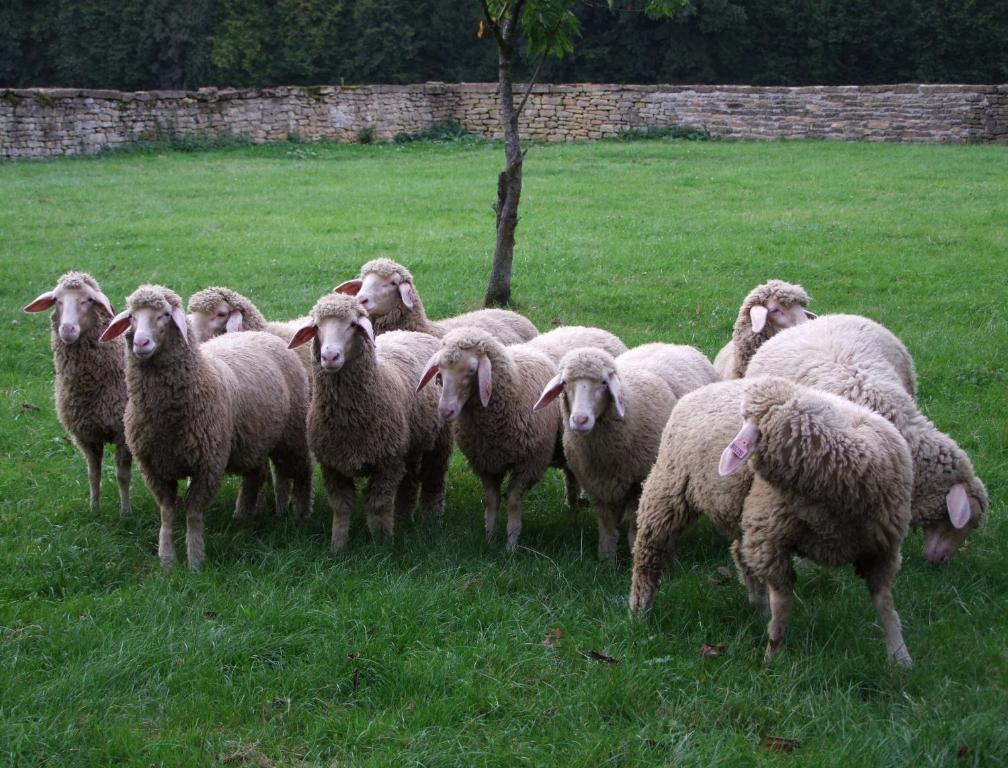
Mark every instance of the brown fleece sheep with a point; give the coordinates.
(614, 411)
(366, 421)
(388, 293)
(498, 431)
(766, 310)
(199, 411)
(90, 382)
(856, 358)
(832, 483)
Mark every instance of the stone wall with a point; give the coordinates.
(50, 122)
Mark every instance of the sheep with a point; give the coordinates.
(218, 310)
(90, 383)
(856, 358)
(199, 411)
(613, 414)
(365, 421)
(827, 479)
(766, 310)
(501, 434)
(388, 293)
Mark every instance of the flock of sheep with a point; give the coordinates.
(803, 438)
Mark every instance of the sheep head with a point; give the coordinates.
(153, 318)
(382, 286)
(80, 305)
(774, 306)
(463, 366)
(589, 379)
(217, 310)
(339, 324)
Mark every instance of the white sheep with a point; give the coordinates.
(366, 421)
(200, 411)
(90, 382)
(614, 411)
(858, 359)
(490, 388)
(765, 311)
(387, 291)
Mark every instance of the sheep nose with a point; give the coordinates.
(69, 331)
(447, 412)
(331, 358)
(580, 422)
(141, 342)
(364, 301)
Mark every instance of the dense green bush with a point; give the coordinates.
(133, 44)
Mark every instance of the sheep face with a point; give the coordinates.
(337, 337)
(777, 316)
(149, 327)
(76, 305)
(587, 398)
(957, 514)
(458, 372)
(380, 294)
(222, 318)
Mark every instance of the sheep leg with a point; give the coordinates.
(757, 589)
(248, 493)
(781, 597)
(379, 498)
(660, 524)
(293, 474)
(341, 494)
(519, 483)
(201, 489)
(491, 498)
(406, 493)
(124, 473)
(572, 490)
(879, 578)
(93, 452)
(608, 531)
(630, 519)
(433, 475)
(281, 491)
(166, 494)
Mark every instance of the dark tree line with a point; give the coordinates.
(144, 44)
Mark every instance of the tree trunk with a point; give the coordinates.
(509, 183)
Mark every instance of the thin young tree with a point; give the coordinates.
(549, 26)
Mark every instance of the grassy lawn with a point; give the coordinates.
(429, 651)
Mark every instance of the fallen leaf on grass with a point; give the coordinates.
(247, 754)
(209, 614)
(722, 575)
(29, 407)
(779, 744)
(552, 637)
(710, 650)
(600, 657)
(355, 681)
(963, 752)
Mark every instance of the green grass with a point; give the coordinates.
(105, 659)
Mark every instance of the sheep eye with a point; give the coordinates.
(438, 379)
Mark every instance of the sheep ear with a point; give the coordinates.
(757, 316)
(234, 322)
(616, 390)
(116, 327)
(485, 379)
(429, 372)
(810, 315)
(738, 449)
(958, 505)
(42, 303)
(303, 336)
(365, 325)
(350, 286)
(102, 299)
(179, 318)
(550, 393)
(408, 294)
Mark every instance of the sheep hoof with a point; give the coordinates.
(168, 561)
(125, 510)
(773, 648)
(902, 658)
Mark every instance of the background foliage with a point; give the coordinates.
(145, 44)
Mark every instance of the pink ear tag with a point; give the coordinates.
(738, 450)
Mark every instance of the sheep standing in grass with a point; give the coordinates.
(199, 411)
(387, 291)
(366, 421)
(858, 359)
(218, 310)
(90, 383)
(830, 481)
(767, 310)
(614, 411)
(490, 389)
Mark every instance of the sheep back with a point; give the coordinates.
(558, 342)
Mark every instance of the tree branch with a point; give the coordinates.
(494, 25)
(531, 83)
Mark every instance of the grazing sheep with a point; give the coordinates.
(860, 360)
(366, 421)
(218, 310)
(768, 309)
(90, 383)
(613, 415)
(831, 481)
(501, 434)
(200, 411)
(388, 293)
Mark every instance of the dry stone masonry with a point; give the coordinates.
(47, 122)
